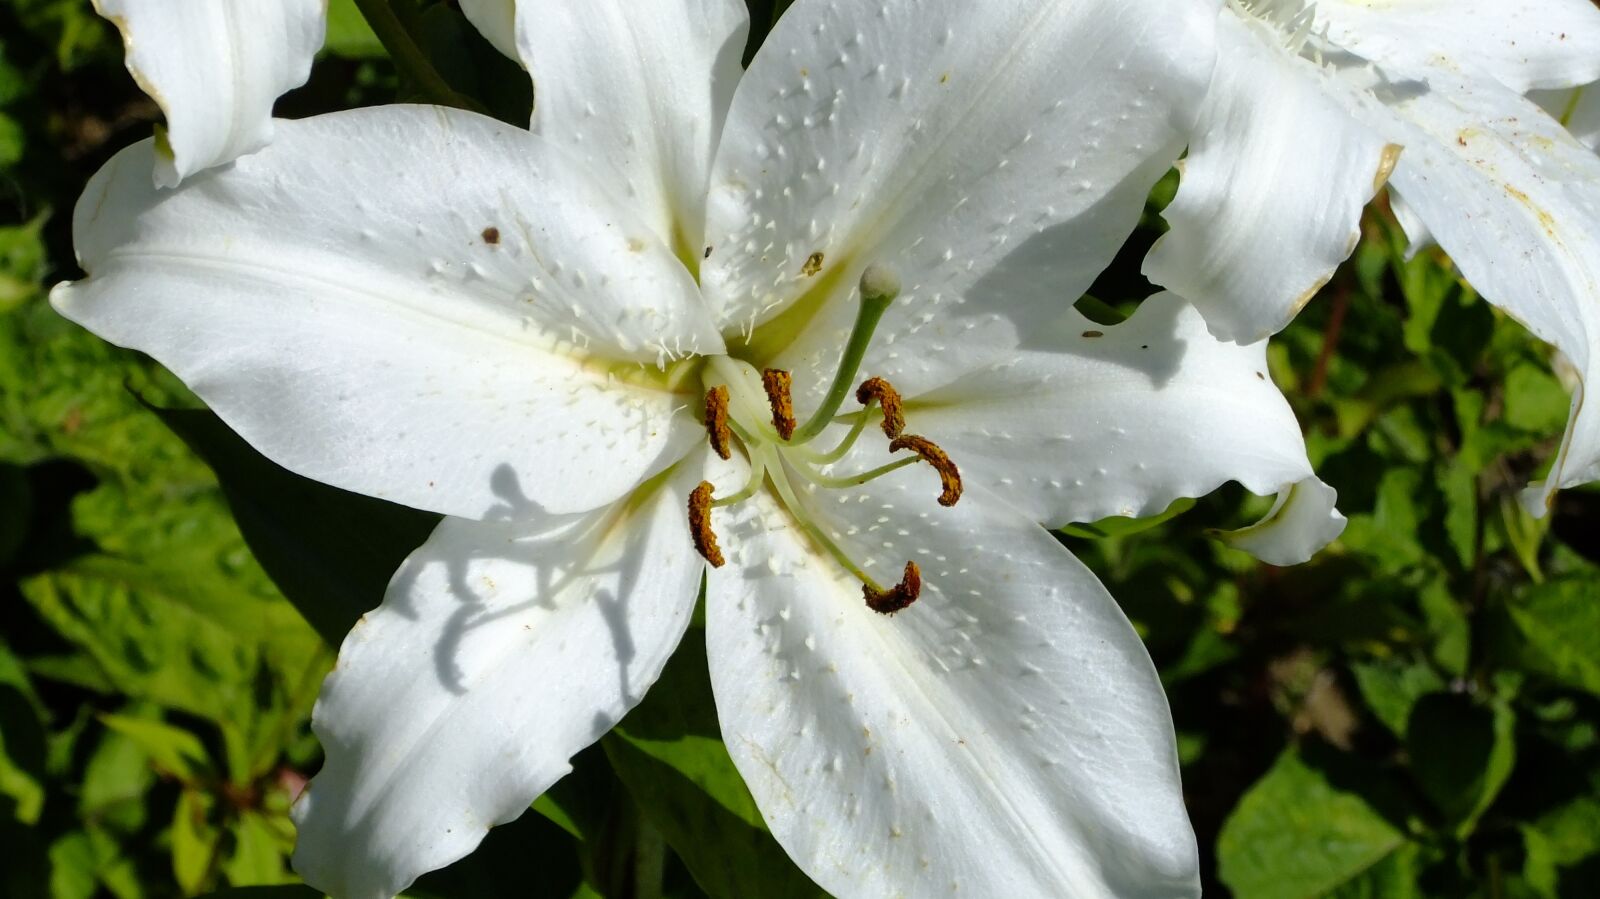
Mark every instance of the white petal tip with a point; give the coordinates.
(1301, 523)
(1537, 498)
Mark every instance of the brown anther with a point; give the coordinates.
(717, 421)
(777, 382)
(894, 420)
(705, 540)
(949, 475)
(896, 598)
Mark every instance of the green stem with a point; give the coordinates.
(409, 58)
(871, 312)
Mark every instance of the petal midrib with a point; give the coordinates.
(598, 369)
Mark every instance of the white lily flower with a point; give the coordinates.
(215, 69)
(1309, 107)
(550, 336)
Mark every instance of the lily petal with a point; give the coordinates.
(1272, 191)
(1301, 523)
(1006, 735)
(1523, 44)
(215, 70)
(500, 650)
(1578, 109)
(1119, 420)
(909, 135)
(495, 20)
(1511, 196)
(640, 89)
(410, 302)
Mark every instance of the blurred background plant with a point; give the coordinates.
(1412, 714)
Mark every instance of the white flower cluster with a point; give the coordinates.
(663, 293)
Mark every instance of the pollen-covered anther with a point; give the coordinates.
(894, 419)
(949, 475)
(777, 383)
(896, 598)
(705, 539)
(717, 421)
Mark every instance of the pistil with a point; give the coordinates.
(879, 287)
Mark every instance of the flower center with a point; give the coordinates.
(754, 412)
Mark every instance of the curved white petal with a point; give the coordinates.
(1417, 236)
(499, 652)
(1121, 420)
(1301, 523)
(1515, 200)
(1272, 191)
(495, 20)
(995, 154)
(640, 89)
(215, 69)
(414, 303)
(1578, 109)
(1004, 736)
(1523, 44)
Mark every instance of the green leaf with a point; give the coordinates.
(1461, 752)
(349, 35)
(330, 551)
(1392, 687)
(1560, 627)
(1535, 401)
(194, 840)
(174, 751)
(259, 850)
(1393, 878)
(284, 891)
(669, 754)
(1295, 835)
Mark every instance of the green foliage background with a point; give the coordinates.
(1412, 714)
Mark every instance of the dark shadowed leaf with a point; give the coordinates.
(330, 551)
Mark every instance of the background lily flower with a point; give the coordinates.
(215, 70)
(1308, 110)
(518, 330)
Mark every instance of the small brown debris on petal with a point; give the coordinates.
(705, 539)
(1094, 333)
(896, 598)
(717, 421)
(777, 383)
(813, 264)
(949, 475)
(491, 235)
(894, 419)
(708, 253)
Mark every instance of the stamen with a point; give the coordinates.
(855, 480)
(949, 475)
(717, 421)
(758, 474)
(898, 597)
(777, 383)
(845, 445)
(879, 287)
(705, 540)
(894, 420)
